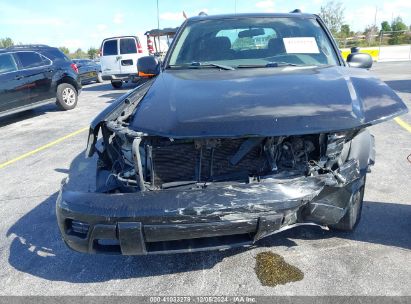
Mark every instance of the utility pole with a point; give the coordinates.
(158, 17)
(158, 28)
(375, 16)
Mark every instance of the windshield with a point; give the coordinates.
(249, 42)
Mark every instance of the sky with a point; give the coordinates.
(83, 24)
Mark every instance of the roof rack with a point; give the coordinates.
(26, 46)
(163, 32)
(296, 11)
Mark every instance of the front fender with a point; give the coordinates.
(363, 149)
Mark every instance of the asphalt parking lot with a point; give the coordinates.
(375, 260)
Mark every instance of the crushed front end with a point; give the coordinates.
(160, 195)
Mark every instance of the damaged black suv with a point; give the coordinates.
(252, 124)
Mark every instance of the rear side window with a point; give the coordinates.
(110, 47)
(30, 60)
(128, 46)
(55, 54)
(7, 63)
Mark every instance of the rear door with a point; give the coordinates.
(110, 58)
(129, 48)
(37, 71)
(13, 91)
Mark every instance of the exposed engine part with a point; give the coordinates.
(169, 163)
(149, 163)
(138, 167)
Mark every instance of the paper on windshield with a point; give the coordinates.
(301, 45)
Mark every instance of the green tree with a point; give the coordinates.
(345, 31)
(397, 26)
(385, 26)
(332, 14)
(92, 53)
(6, 42)
(244, 43)
(370, 33)
(65, 50)
(79, 53)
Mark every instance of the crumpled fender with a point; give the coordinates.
(363, 149)
(127, 102)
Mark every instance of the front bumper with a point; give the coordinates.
(217, 217)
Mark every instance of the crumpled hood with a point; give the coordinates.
(263, 102)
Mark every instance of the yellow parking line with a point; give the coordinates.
(50, 144)
(403, 124)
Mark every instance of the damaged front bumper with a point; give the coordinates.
(220, 216)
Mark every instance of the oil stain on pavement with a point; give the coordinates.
(272, 270)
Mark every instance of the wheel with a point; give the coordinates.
(117, 84)
(66, 96)
(353, 216)
(99, 77)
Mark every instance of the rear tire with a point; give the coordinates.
(67, 96)
(117, 84)
(353, 216)
(99, 78)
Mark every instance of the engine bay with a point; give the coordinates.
(139, 163)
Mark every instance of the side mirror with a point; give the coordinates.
(359, 60)
(148, 66)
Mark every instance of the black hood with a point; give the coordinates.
(263, 102)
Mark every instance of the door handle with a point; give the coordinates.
(18, 77)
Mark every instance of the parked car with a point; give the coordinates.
(118, 59)
(33, 75)
(88, 70)
(251, 125)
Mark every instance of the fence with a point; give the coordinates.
(384, 46)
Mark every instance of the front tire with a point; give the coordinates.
(117, 84)
(67, 96)
(353, 216)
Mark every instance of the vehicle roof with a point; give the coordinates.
(33, 47)
(252, 15)
(116, 37)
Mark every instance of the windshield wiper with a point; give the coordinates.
(197, 64)
(268, 65)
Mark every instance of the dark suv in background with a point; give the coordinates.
(89, 70)
(33, 75)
